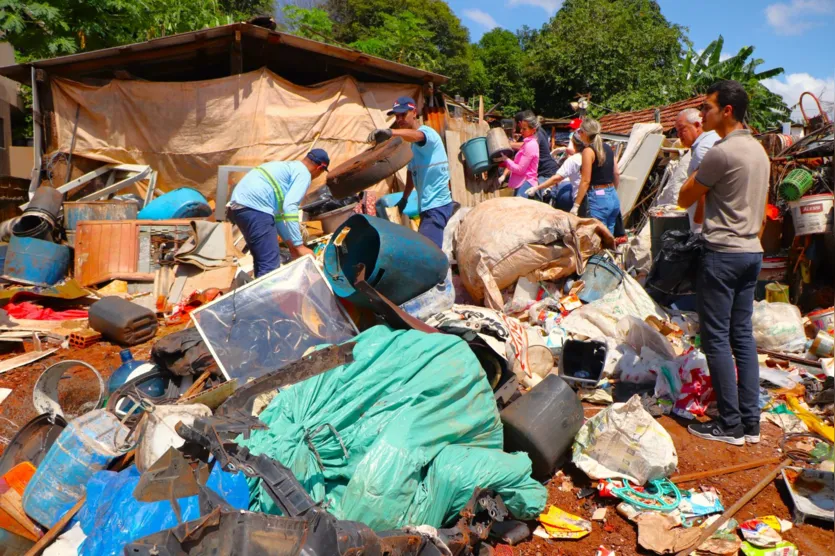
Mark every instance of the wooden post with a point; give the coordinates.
(236, 61)
(480, 109)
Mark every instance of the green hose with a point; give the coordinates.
(656, 491)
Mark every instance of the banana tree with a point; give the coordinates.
(698, 71)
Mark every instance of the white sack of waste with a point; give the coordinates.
(624, 441)
(779, 327)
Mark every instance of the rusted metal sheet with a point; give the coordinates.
(106, 250)
(78, 211)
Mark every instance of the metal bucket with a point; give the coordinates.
(498, 144)
(46, 202)
(33, 225)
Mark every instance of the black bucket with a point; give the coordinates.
(46, 202)
(34, 226)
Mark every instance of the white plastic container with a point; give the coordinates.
(811, 214)
(157, 433)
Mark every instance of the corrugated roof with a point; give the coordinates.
(621, 123)
(166, 57)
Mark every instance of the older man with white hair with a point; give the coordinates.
(693, 136)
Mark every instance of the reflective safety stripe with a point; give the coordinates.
(279, 198)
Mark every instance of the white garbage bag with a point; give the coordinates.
(779, 327)
(624, 441)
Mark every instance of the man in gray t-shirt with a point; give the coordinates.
(733, 178)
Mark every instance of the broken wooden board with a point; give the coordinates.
(24, 359)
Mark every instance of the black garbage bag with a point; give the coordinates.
(184, 353)
(676, 265)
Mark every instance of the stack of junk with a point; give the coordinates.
(512, 393)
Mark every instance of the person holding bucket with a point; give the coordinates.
(521, 172)
(428, 169)
(733, 178)
(566, 182)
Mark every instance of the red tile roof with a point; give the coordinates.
(621, 123)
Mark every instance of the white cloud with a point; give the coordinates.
(797, 16)
(482, 18)
(550, 6)
(791, 86)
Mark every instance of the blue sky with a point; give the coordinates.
(793, 34)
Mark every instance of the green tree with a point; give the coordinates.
(311, 23)
(501, 51)
(624, 52)
(699, 71)
(450, 53)
(402, 38)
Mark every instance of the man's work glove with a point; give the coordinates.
(575, 209)
(531, 192)
(379, 135)
(401, 205)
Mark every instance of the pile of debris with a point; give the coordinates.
(382, 396)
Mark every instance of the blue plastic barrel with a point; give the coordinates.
(399, 263)
(475, 155)
(35, 261)
(388, 201)
(180, 203)
(86, 446)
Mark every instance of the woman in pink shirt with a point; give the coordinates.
(523, 167)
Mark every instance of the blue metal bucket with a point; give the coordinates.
(388, 201)
(35, 261)
(180, 203)
(601, 276)
(399, 263)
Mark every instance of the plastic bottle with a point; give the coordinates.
(131, 369)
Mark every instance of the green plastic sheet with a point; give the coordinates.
(418, 421)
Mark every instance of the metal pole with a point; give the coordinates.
(37, 135)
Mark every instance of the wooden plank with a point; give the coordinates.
(457, 178)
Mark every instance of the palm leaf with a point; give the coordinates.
(768, 74)
(716, 54)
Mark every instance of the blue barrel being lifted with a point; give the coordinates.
(35, 261)
(399, 263)
(180, 203)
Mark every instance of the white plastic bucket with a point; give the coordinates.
(811, 214)
(773, 269)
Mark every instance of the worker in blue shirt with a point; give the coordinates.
(428, 170)
(267, 200)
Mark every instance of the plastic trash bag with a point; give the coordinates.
(779, 327)
(624, 441)
(111, 517)
(420, 429)
(676, 266)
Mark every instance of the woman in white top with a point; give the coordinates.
(565, 194)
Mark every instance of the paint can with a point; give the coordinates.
(776, 293)
(773, 269)
(812, 214)
(823, 345)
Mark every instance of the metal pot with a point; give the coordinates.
(498, 144)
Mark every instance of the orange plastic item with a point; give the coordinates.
(12, 516)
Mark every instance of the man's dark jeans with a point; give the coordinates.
(726, 305)
(258, 229)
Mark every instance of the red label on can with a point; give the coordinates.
(811, 208)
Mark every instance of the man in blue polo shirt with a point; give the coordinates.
(267, 200)
(428, 170)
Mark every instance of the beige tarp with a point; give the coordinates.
(186, 130)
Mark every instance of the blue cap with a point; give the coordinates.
(402, 105)
(320, 157)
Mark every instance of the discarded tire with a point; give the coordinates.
(369, 167)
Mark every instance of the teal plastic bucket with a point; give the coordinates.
(475, 155)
